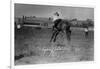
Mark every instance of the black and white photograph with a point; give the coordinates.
(45, 34)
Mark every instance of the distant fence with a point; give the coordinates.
(35, 22)
(82, 29)
(47, 23)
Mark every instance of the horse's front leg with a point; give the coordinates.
(53, 35)
(56, 36)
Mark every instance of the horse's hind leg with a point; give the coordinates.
(68, 34)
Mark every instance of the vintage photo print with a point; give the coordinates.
(52, 34)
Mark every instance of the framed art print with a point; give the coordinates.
(46, 34)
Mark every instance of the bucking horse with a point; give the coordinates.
(61, 25)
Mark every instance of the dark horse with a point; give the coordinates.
(61, 26)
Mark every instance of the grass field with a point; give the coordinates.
(35, 47)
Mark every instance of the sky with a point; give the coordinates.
(68, 12)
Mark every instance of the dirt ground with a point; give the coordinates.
(35, 47)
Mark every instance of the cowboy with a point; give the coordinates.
(56, 19)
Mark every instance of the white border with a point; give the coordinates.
(12, 34)
(77, 3)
